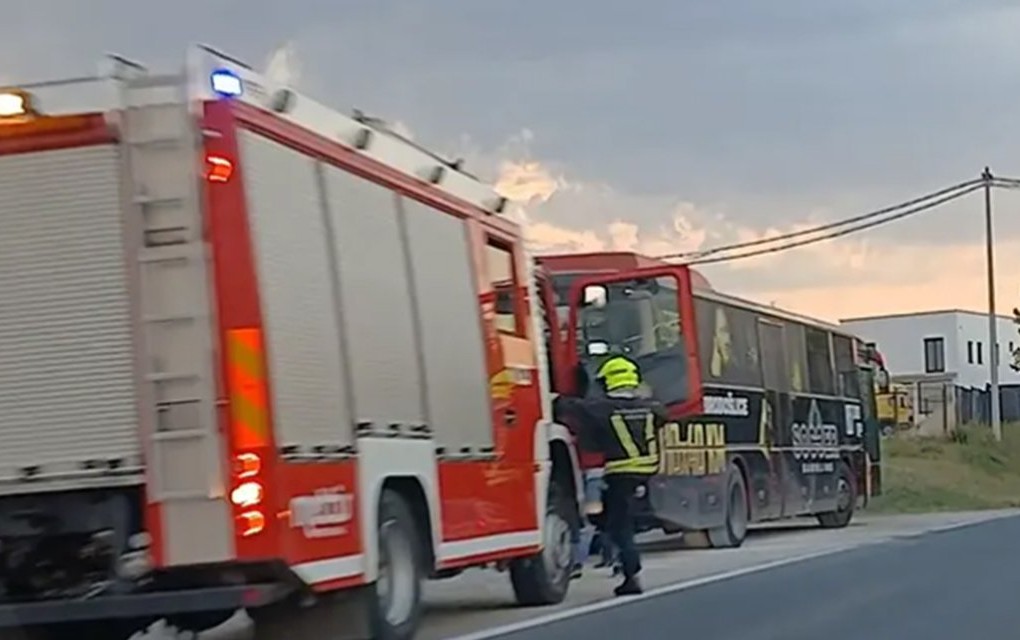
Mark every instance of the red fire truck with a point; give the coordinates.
(252, 356)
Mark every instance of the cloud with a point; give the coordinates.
(661, 131)
(865, 273)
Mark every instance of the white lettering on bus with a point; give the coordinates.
(727, 405)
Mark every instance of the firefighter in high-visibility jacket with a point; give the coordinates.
(624, 426)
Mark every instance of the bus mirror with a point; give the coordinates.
(598, 348)
(595, 296)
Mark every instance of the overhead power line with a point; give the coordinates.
(1006, 183)
(700, 255)
(870, 221)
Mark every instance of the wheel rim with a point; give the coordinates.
(396, 584)
(558, 552)
(843, 494)
(738, 512)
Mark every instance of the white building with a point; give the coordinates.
(952, 342)
(945, 355)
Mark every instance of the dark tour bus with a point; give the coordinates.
(772, 414)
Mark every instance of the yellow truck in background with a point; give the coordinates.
(895, 403)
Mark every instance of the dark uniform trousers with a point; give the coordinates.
(619, 511)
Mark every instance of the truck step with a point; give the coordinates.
(163, 142)
(168, 318)
(179, 434)
(179, 235)
(171, 253)
(159, 201)
(171, 377)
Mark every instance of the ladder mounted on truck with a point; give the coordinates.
(163, 162)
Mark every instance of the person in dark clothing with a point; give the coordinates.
(624, 427)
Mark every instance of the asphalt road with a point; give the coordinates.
(958, 583)
(787, 581)
(472, 606)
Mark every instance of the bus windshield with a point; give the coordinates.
(640, 320)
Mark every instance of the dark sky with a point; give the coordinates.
(733, 117)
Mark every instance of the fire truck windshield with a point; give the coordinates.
(640, 320)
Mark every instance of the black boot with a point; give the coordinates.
(629, 587)
(576, 571)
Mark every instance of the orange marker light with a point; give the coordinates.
(251, 523)
(248, 465)
(218, 168)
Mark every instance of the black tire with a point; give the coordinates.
(197, 622)
(733, 531)
(544, 578)
(846, 489)
(114, 630)
(396, 607)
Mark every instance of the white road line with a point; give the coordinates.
(612, 603)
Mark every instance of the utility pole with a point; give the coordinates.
(993, 323)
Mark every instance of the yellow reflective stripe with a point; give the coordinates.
(623, 435)
(645, 465)
(651, 437)
(635, 462)
(247, 385)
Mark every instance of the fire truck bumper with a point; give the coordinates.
(111, 607)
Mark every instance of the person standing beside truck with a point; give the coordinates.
(623, 426)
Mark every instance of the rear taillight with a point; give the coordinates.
(218, 168)
(248, 494)
(251, 523)
(247, 465)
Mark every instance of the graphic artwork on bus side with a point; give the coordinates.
(694, 449)
(815, 442)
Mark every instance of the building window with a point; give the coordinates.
(970, 352)
(935, 355)
(980, 352)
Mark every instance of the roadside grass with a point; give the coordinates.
(968, 471)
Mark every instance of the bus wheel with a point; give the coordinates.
(732, 532)
(543, 578)
(396, 608)
(846, 500)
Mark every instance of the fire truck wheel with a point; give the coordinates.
(396, 608)
(543, 579)
(846, 492)
(732, 533)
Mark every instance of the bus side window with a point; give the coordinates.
(843, 351)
